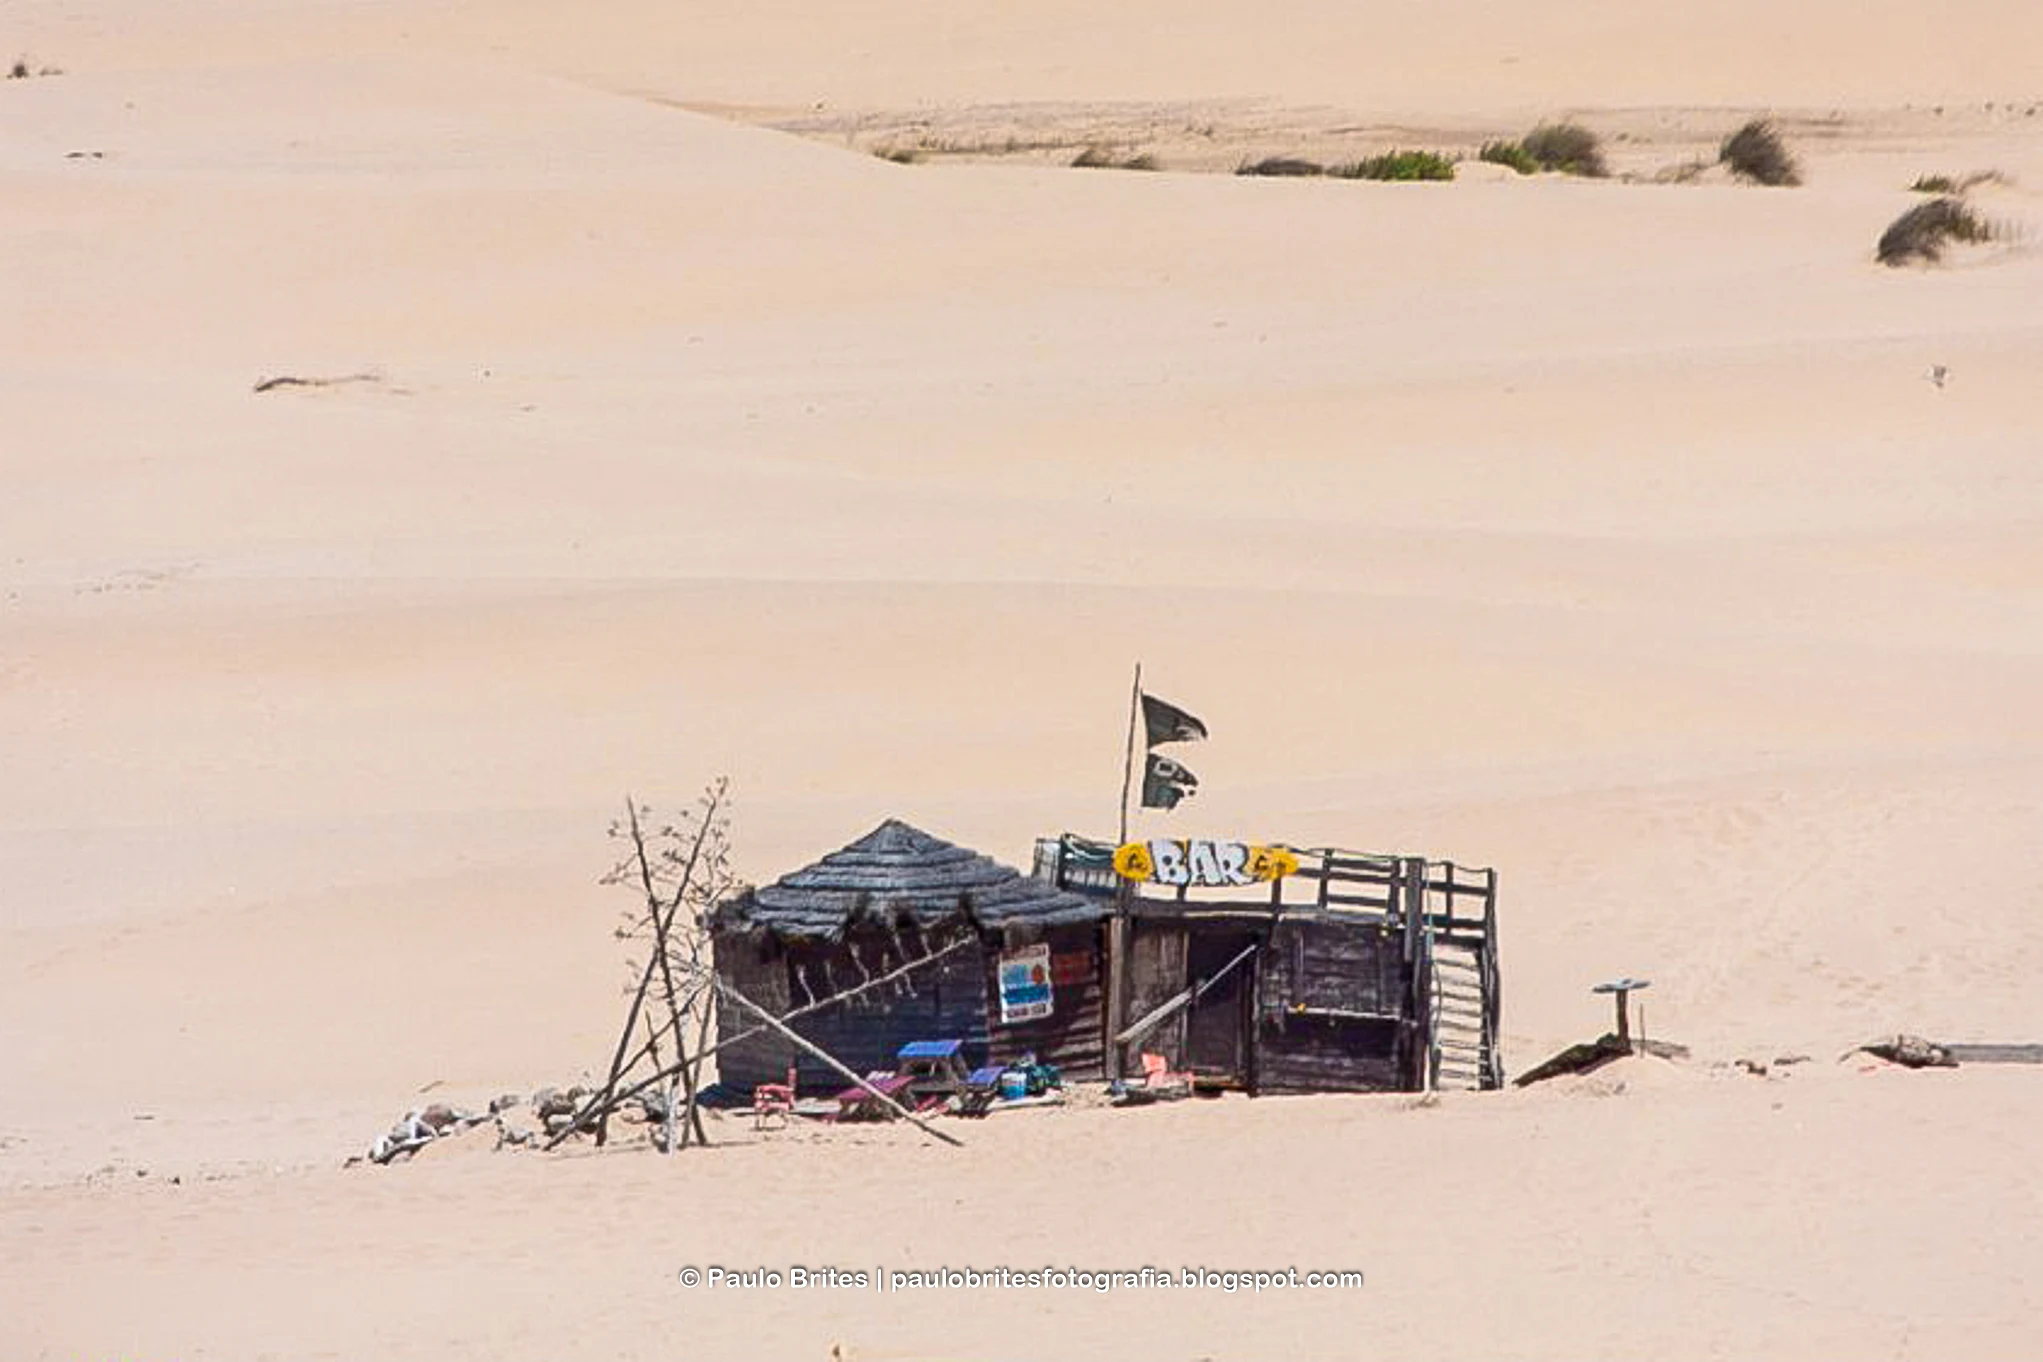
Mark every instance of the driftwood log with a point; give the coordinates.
(1911, 1052)
(294, 381)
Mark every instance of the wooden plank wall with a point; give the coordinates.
(1343, 967)
(1315, 1054)
(1156, 973)
(1072, 1037)
(1352, 967)
(757, 969)
(946, 1001)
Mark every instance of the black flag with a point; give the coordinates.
(1165, 782)
(1167, 723)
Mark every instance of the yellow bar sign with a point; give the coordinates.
(1208, 864)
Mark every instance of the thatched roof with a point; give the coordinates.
(894, 872)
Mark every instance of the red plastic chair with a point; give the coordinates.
(774, 1099)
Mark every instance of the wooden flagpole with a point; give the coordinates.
(1128, 758)
(1117, 925)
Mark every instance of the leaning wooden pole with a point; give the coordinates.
(691, 1070)
(603, 1103)
(653, 1040)
(774, 1023)
(663, 929)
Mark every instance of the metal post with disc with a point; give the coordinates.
(1623, 989)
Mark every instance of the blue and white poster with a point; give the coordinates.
(1025, 983)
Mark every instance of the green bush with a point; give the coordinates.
(1398, 165)
(1512, 154)
(1567, 147)
(1281, 166)
(1756, 152)
(1934, 184)
(1921, 233)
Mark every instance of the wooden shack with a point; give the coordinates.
(1340, 972)
(984, 954)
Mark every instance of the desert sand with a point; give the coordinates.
(1610, 533)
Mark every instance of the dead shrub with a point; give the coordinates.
(1567, 147)
(1920, 234)
(1756, 152)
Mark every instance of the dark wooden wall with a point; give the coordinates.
(1350, 979)
(946, 1001)
(1320, 1054)
(1342, 966)
(756, 968)
(1073, 1036)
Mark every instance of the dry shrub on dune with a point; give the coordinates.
(1567, 147)
(1920, 234)
(1756, 152)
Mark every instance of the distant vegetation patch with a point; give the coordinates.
(1948, 184)
(1103, 158)
(1398, 165)
(900, 156)
(1920, 235)
(1512, 154)
(1281, 166)
(1567, 147)
(1756, 152)
(23, 69)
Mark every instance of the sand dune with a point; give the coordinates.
(1609, 533)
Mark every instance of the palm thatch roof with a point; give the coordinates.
(898, 873)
